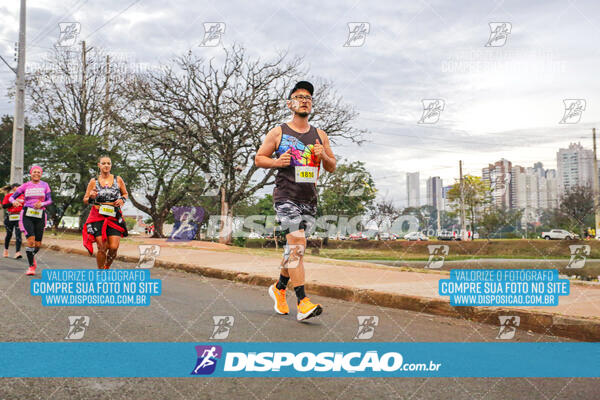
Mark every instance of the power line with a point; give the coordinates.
(48, 27)
(110, 20)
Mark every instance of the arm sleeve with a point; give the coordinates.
(16, 194)
(48, 200)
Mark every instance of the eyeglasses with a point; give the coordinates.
(303, 98)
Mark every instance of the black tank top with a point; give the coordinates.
(302, 155)
(107, 194)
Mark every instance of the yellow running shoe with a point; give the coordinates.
(306, 309)
(278, 297)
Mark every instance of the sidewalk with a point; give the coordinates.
(577, 315)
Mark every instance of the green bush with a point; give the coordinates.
(130, 222)
(239, 241)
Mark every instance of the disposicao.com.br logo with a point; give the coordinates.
(276, 363)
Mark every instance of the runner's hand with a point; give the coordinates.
(119, 203)
(318, 149)
(38, 205)
(93, 194)
(16, 203)
(284, 160)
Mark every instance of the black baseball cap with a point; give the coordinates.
(302, 85)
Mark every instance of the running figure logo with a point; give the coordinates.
(213, 31)
(187, 223)
(508, 327)
(574, 108)
(432, 109)
(579, 253)
(366, 326)
(148, 254)
(207, 359)
(69, 31)
(77, 326)
(357, 34)
(499, 32)
(223, 324)
(498, 186)
(68, 183)
(437, 255)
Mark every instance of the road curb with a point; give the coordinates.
(585, 329)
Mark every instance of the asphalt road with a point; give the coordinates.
(183, 313)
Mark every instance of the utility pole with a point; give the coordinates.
(439, 225)
(83, 113)
(463, 228)
(595, 186)
(438, 204)
(18, 139)
(106, 105)
(224, 235)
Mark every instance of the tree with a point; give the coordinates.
(215, 114)
(496, 219)
(253, 206)
(577, 203)
(32, 151)
(163, 181)
(384, 213)
(476, 195)
(350, 191)
(73, 105)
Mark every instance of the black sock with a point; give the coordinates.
(30, 254)
(300, 292)
(282, 283)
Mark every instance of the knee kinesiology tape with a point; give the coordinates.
(292, 255)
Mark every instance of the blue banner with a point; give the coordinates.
(228, 359)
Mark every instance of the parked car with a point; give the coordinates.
(448, 235)
(559, 234)
(415, 236)
(358, 236)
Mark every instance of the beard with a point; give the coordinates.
(302, 114)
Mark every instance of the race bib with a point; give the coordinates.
(14, 217)
(306, 174)
(109, 211)
(35, 213)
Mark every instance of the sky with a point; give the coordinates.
(504, 100)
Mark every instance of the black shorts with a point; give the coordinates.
(294, 216)
(34, 226)
(95, 229)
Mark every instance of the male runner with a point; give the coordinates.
(300, 149)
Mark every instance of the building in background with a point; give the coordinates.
(445, 190)
(434, 192)
(413, 189)
(533, 190)
(499, 177)
(574, 167)
(550, 198)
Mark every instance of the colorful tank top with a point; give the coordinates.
(108, 194)
(297, 182)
